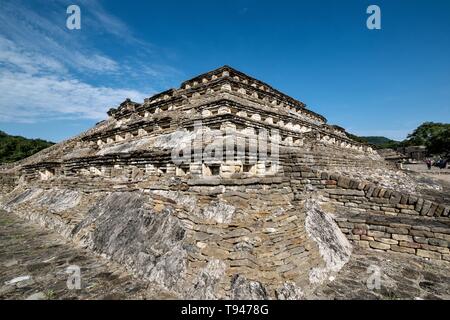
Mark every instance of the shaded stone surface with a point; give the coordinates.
(402, 277)
(27, 250)
(42, 257)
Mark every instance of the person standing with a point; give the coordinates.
(428, 162)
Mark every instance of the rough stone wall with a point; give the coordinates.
(240, 241)
(379, 218)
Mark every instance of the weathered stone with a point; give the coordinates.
(403, 249)
(348, 192)
(379, 245)
(428, 254)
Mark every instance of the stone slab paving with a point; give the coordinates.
(34, 261)
(37, 260)
(401, 277)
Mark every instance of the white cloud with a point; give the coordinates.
(26, 98)
(37, 35)
(41, 63)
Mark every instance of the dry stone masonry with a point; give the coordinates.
(223, 188)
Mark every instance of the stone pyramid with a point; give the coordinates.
(225, 188)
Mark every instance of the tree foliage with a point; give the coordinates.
(15, 148)
(435, 136)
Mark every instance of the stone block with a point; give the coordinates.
(408, 244)
(347, 192)
(404, 199)
(408, 211)
(369, 192)
(379, 245)
(386, 240)
(412, 200)
(395, 198)
(363, 244)
(438, 242)
(433, 208)
(397, 230)
(343, 182)
(402, 237)
(426, 207)
(403, 249)
(324, 175)
(428, 254)
(419, 204)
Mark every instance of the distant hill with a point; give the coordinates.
(15, 148)
(377, 141)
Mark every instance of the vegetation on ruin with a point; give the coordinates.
(15, 148)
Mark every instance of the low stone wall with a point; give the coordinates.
(379, 218)
(377, 200)
(362, 195)
(428, 240)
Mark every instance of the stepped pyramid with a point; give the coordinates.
(225, 188)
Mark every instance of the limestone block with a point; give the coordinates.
(428, 254)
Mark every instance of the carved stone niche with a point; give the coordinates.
(228, 126)
(226, 87)
(289, 141)
(242, 114)
(242, 91)
(269, 120)
(224, 110)
(204, 80)
(298, 142)
(95, 171)
(256, 117)
(206, 113)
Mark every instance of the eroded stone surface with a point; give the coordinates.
(42, 257)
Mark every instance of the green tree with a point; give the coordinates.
(435, 136)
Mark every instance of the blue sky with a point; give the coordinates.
(55, 82)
